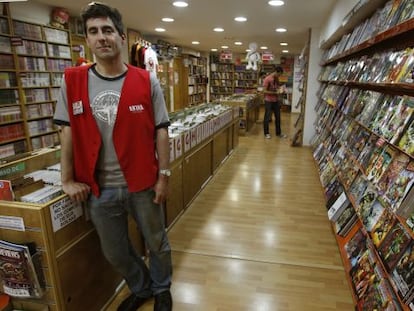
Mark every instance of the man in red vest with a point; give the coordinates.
(115, 155)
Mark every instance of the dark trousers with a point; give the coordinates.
(269, 108)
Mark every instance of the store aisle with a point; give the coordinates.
(257, 237)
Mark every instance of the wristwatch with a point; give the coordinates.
(165, 172)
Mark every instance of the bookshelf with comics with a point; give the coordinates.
(364, 149)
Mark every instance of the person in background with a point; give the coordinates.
(271, 90)
(115, 156)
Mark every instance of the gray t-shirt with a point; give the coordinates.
(104, 94)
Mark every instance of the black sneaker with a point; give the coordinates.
(163, 301)
(132, 303)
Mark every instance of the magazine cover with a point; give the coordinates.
(394, 245)
(382, 227)
(17, 271)
(388, 178)
(403, 274)
(401, 185)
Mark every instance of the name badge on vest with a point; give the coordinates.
(77, 107)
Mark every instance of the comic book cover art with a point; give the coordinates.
(403, 274)
(17, 271)
(380, 230)
(400, 187)
(393, 246)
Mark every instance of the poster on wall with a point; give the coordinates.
(226, 55)
(267, 57)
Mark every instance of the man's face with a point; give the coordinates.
(103, 39)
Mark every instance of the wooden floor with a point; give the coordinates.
(257, 237)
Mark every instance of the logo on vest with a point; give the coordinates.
(136, 108)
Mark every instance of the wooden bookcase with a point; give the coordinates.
(221, 80)
(33, 57)
(342, 118)
(197, 80)
(245, 81)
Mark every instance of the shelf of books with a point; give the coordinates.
(365, 155)
(197, 80)
(221, 80)
(33, 58)
(245, 81)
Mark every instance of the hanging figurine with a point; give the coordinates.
(252, 56)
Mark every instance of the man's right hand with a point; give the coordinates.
(77, 192)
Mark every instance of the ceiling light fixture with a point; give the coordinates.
(224, 47)
(240, 19)
(285, 51)
(180, 4)
(214, 50)
(283, 44)
(218, 29)
(238, 43)
(276, 3)
(159, 29)
(263, 47)
(280, 29)
(167, 19)
(195, 42)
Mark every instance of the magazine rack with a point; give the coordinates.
(363, 114)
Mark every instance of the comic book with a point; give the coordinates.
(380, 230)
(399, 162)
(402, 275)
(401, 185)
(406, 142)
(18, 272)
(394, 245)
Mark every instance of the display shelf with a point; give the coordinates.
(197, 80)
(245, 81)
(365, 111)
(32, 60)
(221, 80)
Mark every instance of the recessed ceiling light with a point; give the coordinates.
(263, 47)
(167, 19)
(195, 42)
(283, 44)
(276, 3)
(238, 43)
(224, 47)
(285, 51)
(281, 29)
(213, 50)
(247, 50)
(159, 29)
(240, 19)
(218, 29)
(180, 4)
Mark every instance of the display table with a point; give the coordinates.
(249, 107)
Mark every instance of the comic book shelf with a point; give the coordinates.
(71, 259)
(33, 58)
(364, 149)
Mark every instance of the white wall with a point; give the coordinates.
(31, 12)
(312, 86)
(334, 22)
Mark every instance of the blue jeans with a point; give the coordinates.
(109, 213)
(269, 108)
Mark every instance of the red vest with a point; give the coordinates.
(133, 132)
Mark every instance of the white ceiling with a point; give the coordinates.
(196, 22)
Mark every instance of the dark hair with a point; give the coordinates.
(279, 69)
(99, 9)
